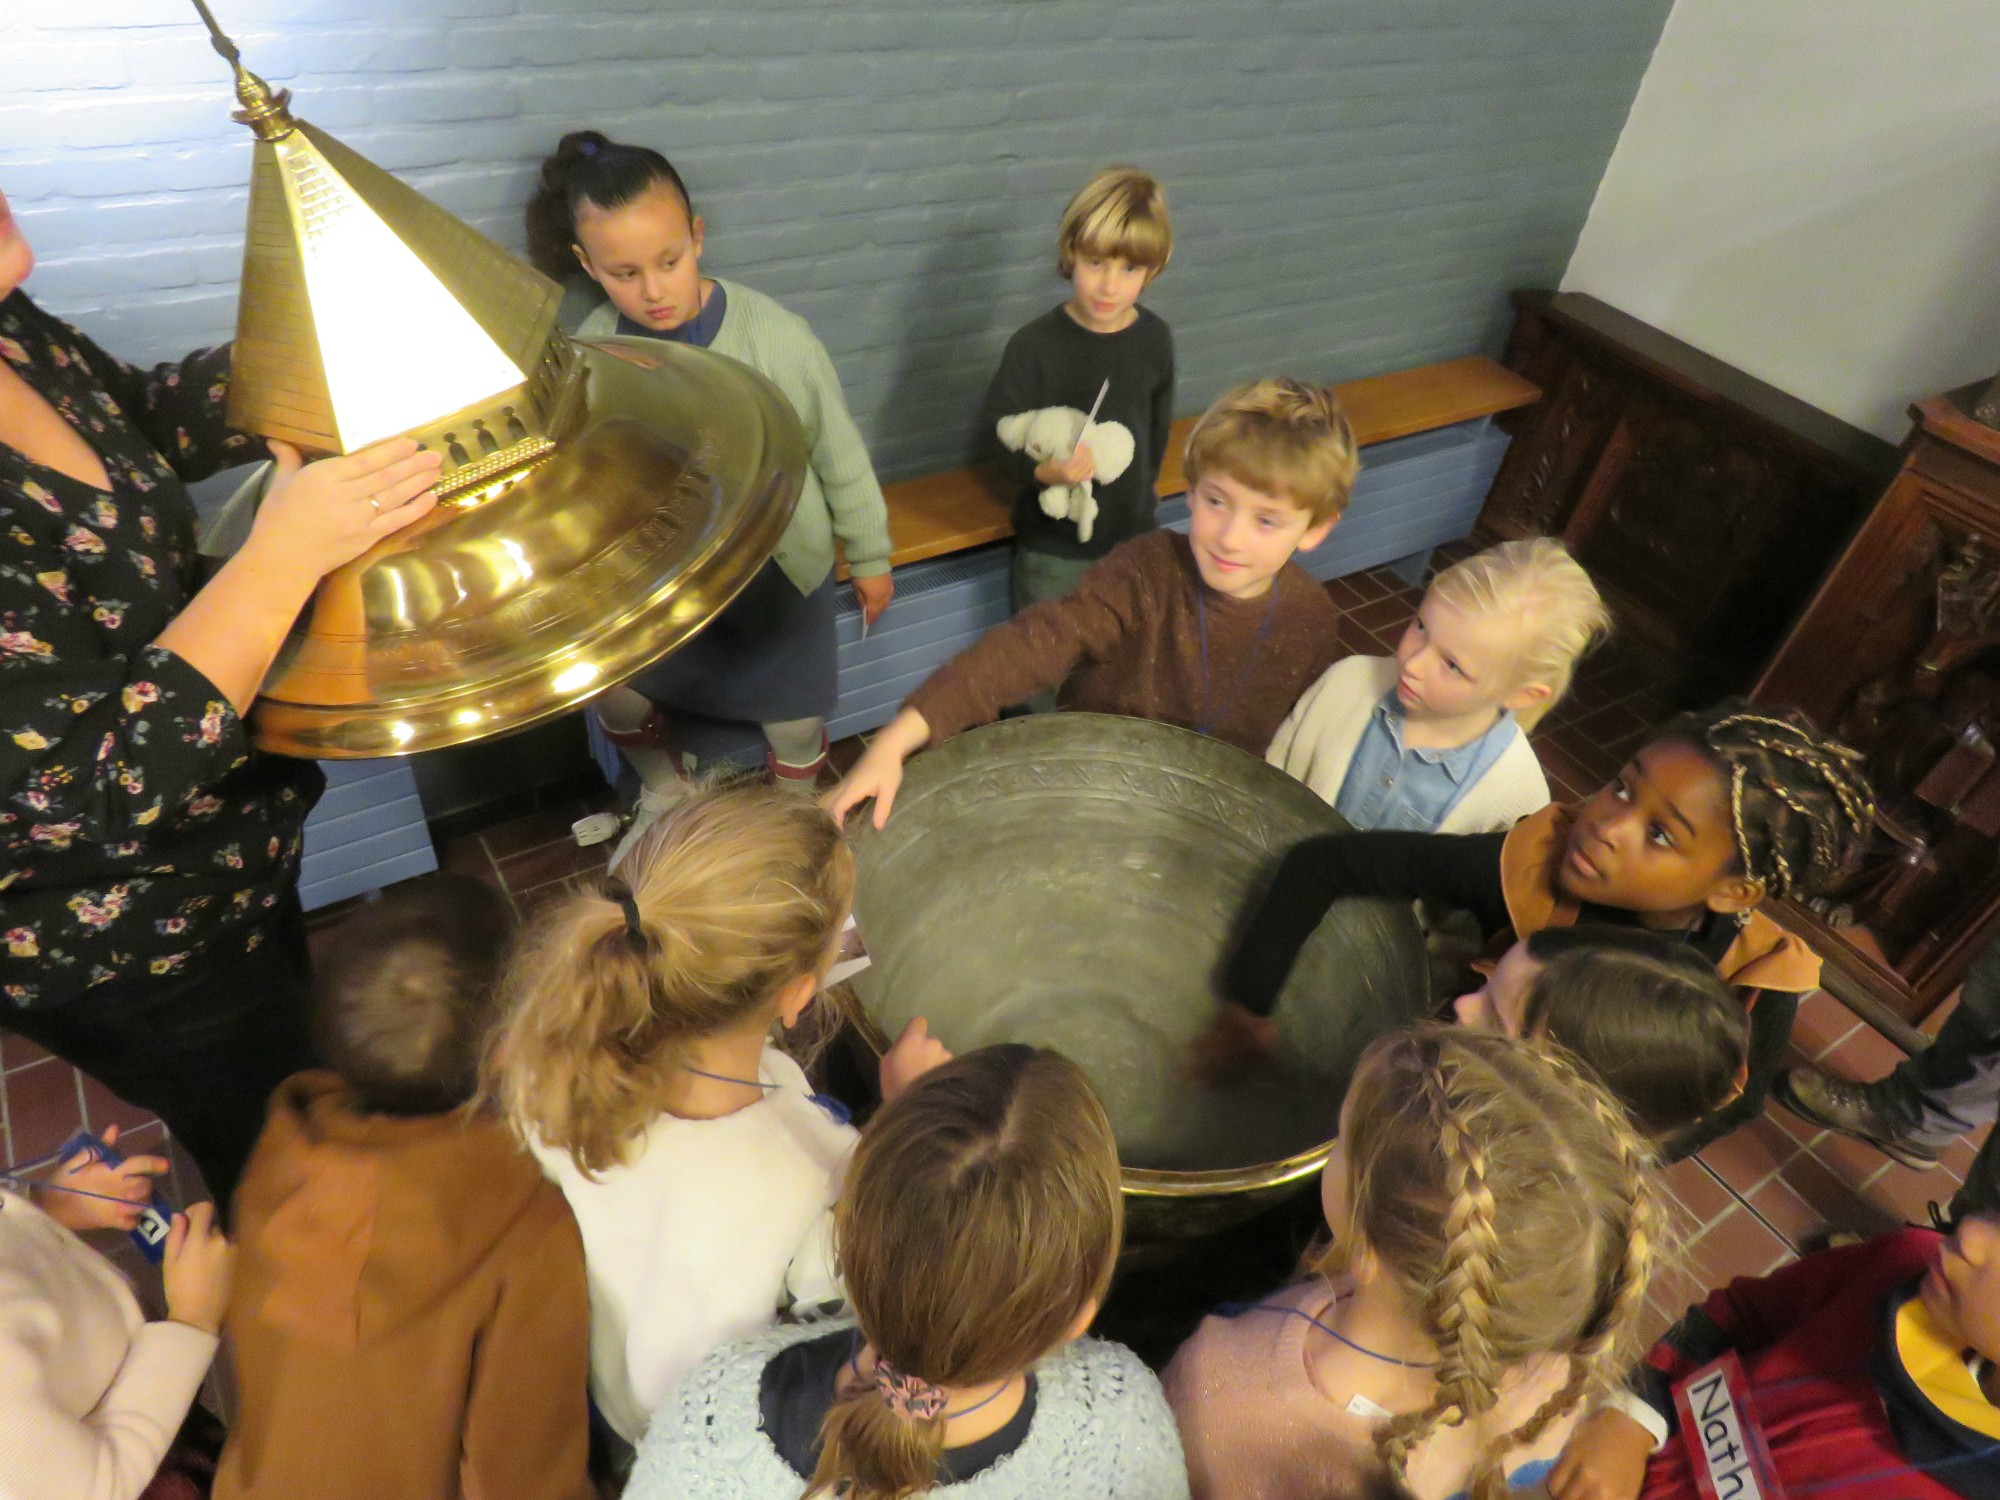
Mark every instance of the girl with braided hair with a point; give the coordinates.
(977, 1233)
(1494, 1230)
(1718, 812)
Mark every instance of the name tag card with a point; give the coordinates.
(1725, 1445)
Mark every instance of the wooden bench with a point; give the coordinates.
(1428, 458)
(939, 514)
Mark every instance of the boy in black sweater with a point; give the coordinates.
(1114, 238)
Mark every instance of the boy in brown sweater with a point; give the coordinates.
(1216, 631)
(410, 1316)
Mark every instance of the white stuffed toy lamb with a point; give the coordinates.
(1051, 432)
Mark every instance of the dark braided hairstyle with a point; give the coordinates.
(1508, 1196)
(1799, 801)
(588, 167)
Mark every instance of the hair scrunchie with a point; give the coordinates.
(635, 928)
(911, 1397)
(587, 148)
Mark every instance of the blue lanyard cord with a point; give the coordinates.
(1210, 720)
(50, 1187)
(1236, 1309)
(841, 1114)
(748, 1083)
(60, 1154)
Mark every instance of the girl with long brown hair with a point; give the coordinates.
(977, 1234)
(635, 1061)
(1493, 1235)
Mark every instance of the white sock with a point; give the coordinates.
(623, 711)
(798, 743)
(653, 801)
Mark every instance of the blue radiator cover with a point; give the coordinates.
(367, 832)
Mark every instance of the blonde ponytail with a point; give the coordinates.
(734, 892)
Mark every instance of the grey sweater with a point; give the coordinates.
(841, 496)
(1101, 1428)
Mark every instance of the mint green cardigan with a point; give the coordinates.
(841, 496)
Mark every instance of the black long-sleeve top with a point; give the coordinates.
(1056, 361)
(1456, 871)
(140, 835)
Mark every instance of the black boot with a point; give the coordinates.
(1856, 1109)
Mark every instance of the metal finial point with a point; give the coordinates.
(263, 106)
(218, 38)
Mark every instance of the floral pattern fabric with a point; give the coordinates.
(140, 835)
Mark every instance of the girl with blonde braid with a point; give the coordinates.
(1494, 1231)
(1718, 813)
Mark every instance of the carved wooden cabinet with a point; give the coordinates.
(1899, 651)
(1706, 504)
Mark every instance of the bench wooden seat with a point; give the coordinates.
(957, 509)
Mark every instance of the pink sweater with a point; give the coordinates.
(1256, 1427)
(91, 1394)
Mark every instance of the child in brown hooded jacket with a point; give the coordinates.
(410, 1316)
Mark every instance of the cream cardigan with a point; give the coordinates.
(1316, 743)
(91, 1394)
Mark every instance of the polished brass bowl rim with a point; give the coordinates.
(516, 696)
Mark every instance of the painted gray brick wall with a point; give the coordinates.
(1356, 183)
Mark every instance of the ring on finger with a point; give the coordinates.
(375, 505)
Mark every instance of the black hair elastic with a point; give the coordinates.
(619, 891)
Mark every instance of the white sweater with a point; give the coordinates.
(709, 1229)
(1316, 744)
(91, 1394)
(1101, 1429)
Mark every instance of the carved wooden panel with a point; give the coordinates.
(1899, 652)
(1543, 472)
(1705, 503)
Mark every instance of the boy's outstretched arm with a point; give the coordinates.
(879, 772)
(1605, 1457)
(1028, 654)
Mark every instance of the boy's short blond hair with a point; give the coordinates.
(1283, 438)
(1548, 596)
(1121, 213)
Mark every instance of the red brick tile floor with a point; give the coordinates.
(1746, 1204)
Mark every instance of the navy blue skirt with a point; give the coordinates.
(769, 657)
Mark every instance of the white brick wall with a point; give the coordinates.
(1356, 183)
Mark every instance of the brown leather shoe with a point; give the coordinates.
(1855, 1109)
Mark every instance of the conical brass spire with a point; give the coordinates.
(345, 273)
(619, 507)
